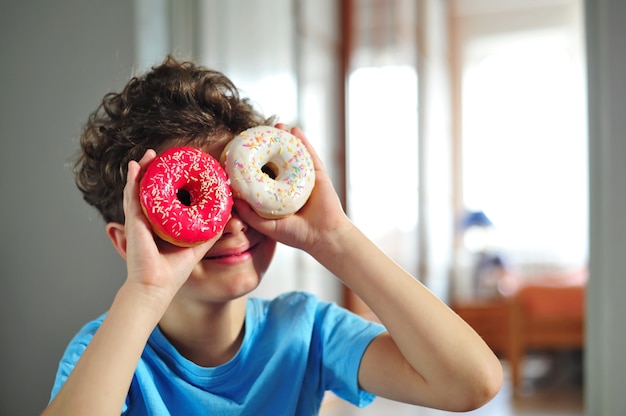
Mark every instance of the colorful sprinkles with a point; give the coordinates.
(205, 182)
(262, 146)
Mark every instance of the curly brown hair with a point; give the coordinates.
(174, 102)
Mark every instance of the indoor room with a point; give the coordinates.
(476, 142)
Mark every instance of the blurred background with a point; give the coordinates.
(477, 142)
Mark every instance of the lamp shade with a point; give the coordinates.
(475, 219)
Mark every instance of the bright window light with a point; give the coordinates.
(382, 157)
(525, 153)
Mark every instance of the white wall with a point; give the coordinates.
(605, 368)
(57, 268)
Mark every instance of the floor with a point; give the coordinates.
(552, 386)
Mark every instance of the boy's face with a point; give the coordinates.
(233, 267)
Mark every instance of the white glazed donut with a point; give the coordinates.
(271, 169)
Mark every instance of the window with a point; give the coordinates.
(382, 155)
(382, 126)
(525, 142)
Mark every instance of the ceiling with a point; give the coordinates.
(480, 7)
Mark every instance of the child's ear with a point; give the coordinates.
(117, 234)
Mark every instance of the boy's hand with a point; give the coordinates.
(152, 262)
(314, 224)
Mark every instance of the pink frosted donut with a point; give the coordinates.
(271, 169)
(185, 195)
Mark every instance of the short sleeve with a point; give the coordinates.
(72, 354)
(344, 337)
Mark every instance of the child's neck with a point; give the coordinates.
(208, 335)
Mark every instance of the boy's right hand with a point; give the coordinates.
(99, 382)
(152, 263)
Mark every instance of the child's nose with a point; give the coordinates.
(235, 224)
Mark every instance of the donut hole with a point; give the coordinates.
(270, 169)
(184, 196)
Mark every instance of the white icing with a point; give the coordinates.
(281, 152)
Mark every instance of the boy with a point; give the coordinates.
(181, 336)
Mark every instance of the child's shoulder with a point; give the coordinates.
(299, 305)
(90, 328)
(80, 340)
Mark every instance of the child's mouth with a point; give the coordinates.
(231, 256)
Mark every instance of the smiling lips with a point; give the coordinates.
(231, 256)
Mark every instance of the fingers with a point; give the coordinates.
(135, 169)
(282, 126)
(317, 161)
(133, 176)
(250, 217)
(296, 131)
(147, 158)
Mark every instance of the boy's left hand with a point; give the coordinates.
(309, 228)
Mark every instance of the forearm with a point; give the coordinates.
(99, 383)
(434, 341)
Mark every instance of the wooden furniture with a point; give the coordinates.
(545, 317)
(489, 318)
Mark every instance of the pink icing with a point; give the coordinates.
(204, 209)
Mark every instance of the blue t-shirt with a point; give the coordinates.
(295, 348)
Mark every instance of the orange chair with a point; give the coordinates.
(547, 317)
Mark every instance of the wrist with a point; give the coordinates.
(332, 244)
(151, 299)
